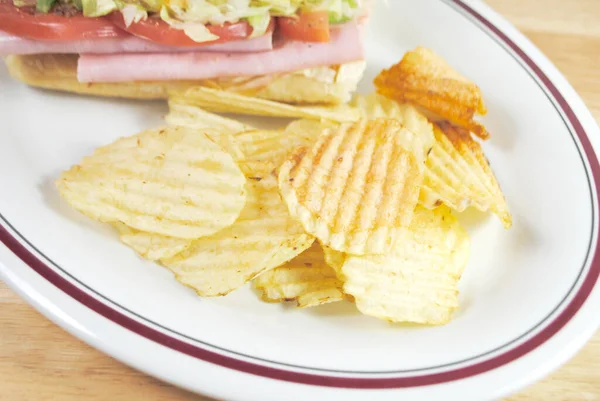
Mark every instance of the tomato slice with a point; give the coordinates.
(27, 23)
(158, 31)
(307, 27)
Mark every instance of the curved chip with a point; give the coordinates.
(306, 279)
(458, 174)
(424, 79)
(417, 282)
(266, 150)
(262, 238)
(320, 85)
(218, 128)
(221, 101)
(377, 106)
(355, 187)
(151, 246)
(171, 181)
(185, 115)
(334, 259)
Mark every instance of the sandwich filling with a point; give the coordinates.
(154, 40)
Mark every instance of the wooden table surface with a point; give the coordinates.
(39, 361)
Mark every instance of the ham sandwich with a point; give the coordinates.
(106, 66)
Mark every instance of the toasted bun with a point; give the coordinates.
(59, 72)
(313, 86)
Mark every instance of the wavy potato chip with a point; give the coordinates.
(320, 85)
(218, 128)
(306, 279)
(257, 152)
(424, 79)
(416, 282)
(458, 174)
(334, 259)
(377, 106)
(355, 187)
(215, 100)
(266, 150)
(151, 246)
(169, 181)
(263, 238)
(185, 115)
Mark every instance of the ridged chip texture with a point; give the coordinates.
(221, 101)
(334, 259)
(321, 85)
(263, 238)
(306, 279)
(219, 129)
(377, 106)
(266, 150)
(458, 174)
(355, 187)
(185, 115)
(424, 79)
(416, 282)
(151, 246)
(170, 181)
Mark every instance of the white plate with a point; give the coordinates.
(529, 298)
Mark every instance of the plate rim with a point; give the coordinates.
(540, 338)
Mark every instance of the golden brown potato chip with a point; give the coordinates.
(263, 237)
(458, 174)
(424, 79)
(226, 102)
(355, 187)
(151, 246)
(306, 279)
(417, 281)
(169, 181)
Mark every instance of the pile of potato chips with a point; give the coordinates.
(354, 202)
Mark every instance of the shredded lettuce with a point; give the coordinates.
(259, 24)
(23, 3)
(191, 16)
(340, 11)
(133, 13)
(44, 6)
(256, 11)
(215, 11)
(279, 7)
(150, 6)
(98, 8)
(196, 31)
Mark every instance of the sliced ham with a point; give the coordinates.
(345, 46)
(10, 44)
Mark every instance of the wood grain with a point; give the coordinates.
(39, 361)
